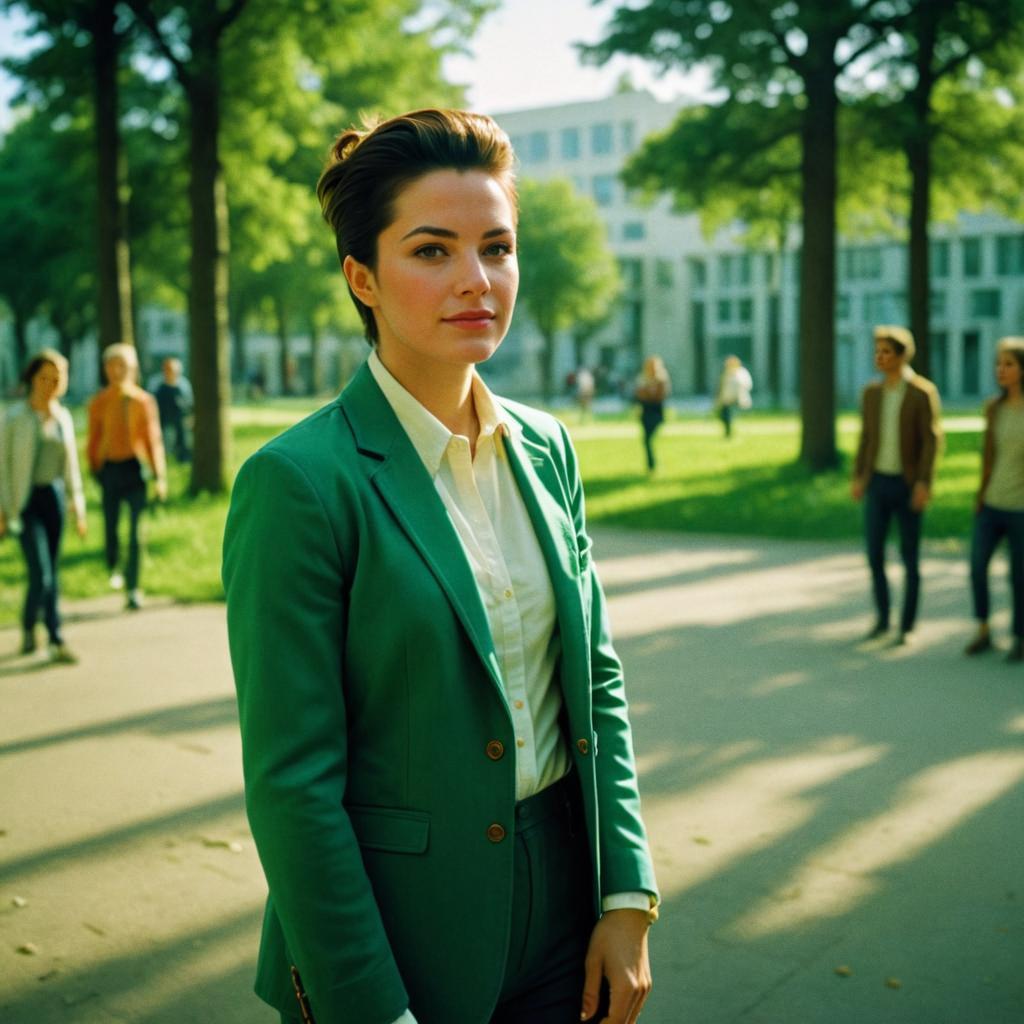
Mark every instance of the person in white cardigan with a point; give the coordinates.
(39, 474)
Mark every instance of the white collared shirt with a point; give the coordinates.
(888, 459)
(482, 498)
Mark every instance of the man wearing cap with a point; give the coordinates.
(900, 438)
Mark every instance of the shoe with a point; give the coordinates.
(905, 639)
(28, 644)
(1017, 650)
(61, 654)
(116, 581)
(981, 643)
(879, 629)
(134, 602)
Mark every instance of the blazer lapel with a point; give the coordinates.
(404, 485)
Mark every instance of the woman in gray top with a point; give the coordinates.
(38, 475)
(1000, 503)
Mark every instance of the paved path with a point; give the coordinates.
(838, 827)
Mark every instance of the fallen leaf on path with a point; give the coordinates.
(702, 840)
(893, 983)
(95, 929)
(843, 971)
(48, 975)
(19, 901)
(28, 949)
(223, 844)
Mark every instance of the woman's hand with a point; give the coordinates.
(618, 952)
(81, 527)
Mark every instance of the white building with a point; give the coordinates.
(694, 301)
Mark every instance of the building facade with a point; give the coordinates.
(694, 300)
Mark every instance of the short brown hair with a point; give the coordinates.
(43, 357)
(368, 168)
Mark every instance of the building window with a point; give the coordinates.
(986, 302)
(843, 306)
(937, 304)
(628, 136)
(863, 263)
(744, 268)
(663, 273)
(939, 357)
(601, 139)
(972, 257)
(745, 308)
(634, 231)
(884, 308)
(632, 273)
(769, 268)
(939, 259)
(1010, 254)
(725, 271)
(570, 143)
(971, 366)
(604, 189)
(698, 272)
(724, 311)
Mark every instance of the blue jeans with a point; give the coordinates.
(122, 482)
(888, 497)
(990, 526)
(42, 521)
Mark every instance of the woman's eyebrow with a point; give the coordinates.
(427, 229)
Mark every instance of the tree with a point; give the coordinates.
(788, 58)
(568, 274)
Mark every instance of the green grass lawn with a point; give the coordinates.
(749, 486)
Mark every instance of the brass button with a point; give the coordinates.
(582, 746)
(495, 833)
(495, 750)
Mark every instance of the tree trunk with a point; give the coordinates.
(817, 268)
(208, 329)
(284, 350)
(114, 299)
(20, 340)
(237, 316)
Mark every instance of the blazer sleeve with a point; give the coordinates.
(6, 469)
(931, 433)
(988, 448)
(93, 441)
(153, 440)
(283, 574)
(626, 864)
(860, 459)
(72, 473)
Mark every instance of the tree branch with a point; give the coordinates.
(142, 11)
(234, 9)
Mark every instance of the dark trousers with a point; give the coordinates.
(122, 483)
(725, 414)
(42, 524)
(552, 913)
(175, 434)
(651, 417)
(991, 525)
(888, 497)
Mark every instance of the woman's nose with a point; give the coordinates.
(473, 279)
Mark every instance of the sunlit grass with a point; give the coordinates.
(751, 485)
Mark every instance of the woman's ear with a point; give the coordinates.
(361, 280)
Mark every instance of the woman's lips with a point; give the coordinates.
(472, 319)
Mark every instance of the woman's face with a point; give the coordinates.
(46, 383)
(117, 369)
(446, 278)
(1008, 371)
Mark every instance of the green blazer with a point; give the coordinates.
(368, 692)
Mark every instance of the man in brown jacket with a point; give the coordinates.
(900, 439)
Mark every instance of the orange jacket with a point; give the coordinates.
(123, 424)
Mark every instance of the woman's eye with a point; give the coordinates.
(430, 252)
(499, 249)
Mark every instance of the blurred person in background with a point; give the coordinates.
(1000, 503)
(734, 387)
(900, 438)
(125, 447)
(39, 474)
(173, 393)
(651, 390)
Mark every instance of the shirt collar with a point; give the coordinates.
(429, 436)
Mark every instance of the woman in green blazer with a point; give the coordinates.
(438, 762)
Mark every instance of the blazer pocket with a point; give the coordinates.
(391, 829)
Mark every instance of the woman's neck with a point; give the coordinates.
(446, 392)
(43, 405)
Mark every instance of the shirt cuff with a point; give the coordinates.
(406, 1018)
(624, 901)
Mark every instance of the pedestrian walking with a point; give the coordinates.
(585, 387)
(174, 401)
(125, 448)
(734, 387)
(421, 775)
(39, 474)
(999, 510)
(651, 390)
(899, 442)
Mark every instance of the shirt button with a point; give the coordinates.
(582, 746)
(520, 743)
(508, 592)
(495, 833)
(518, 704)
(495, 750)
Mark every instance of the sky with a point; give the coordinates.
(523, 56)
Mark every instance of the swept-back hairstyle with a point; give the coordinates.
(367, 169)
(899, 337)
(44, 357)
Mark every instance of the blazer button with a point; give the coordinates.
(495, 833)
(495, 750)
(582, 746)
